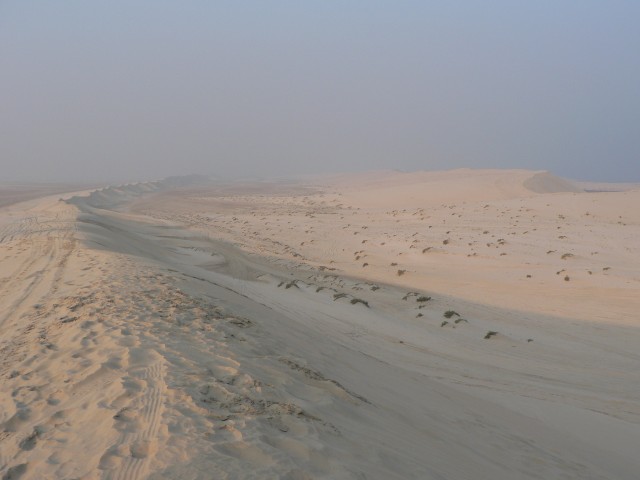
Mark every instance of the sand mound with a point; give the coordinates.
(427, 189)
(545, 182)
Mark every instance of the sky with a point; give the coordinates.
(114, 90)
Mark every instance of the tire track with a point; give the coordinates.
(45, 256)
(142, 444)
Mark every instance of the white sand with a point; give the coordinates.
(210, 332)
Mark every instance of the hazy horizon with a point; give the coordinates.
(116, 91)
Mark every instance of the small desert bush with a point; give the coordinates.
(359, 300)
(423, 299)
(450, 313)
(490, 334)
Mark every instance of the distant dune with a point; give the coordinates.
(424, 188)
(545, 182)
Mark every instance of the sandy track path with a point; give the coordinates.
(36, 263)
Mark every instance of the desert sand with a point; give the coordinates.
(468, 324)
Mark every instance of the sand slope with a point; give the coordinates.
(193, 336)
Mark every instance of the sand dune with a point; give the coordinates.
(265, 331)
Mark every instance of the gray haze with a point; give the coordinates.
(125, 90)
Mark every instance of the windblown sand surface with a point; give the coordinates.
(298, 331)
(17, 192)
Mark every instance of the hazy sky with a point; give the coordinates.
(115, 90)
